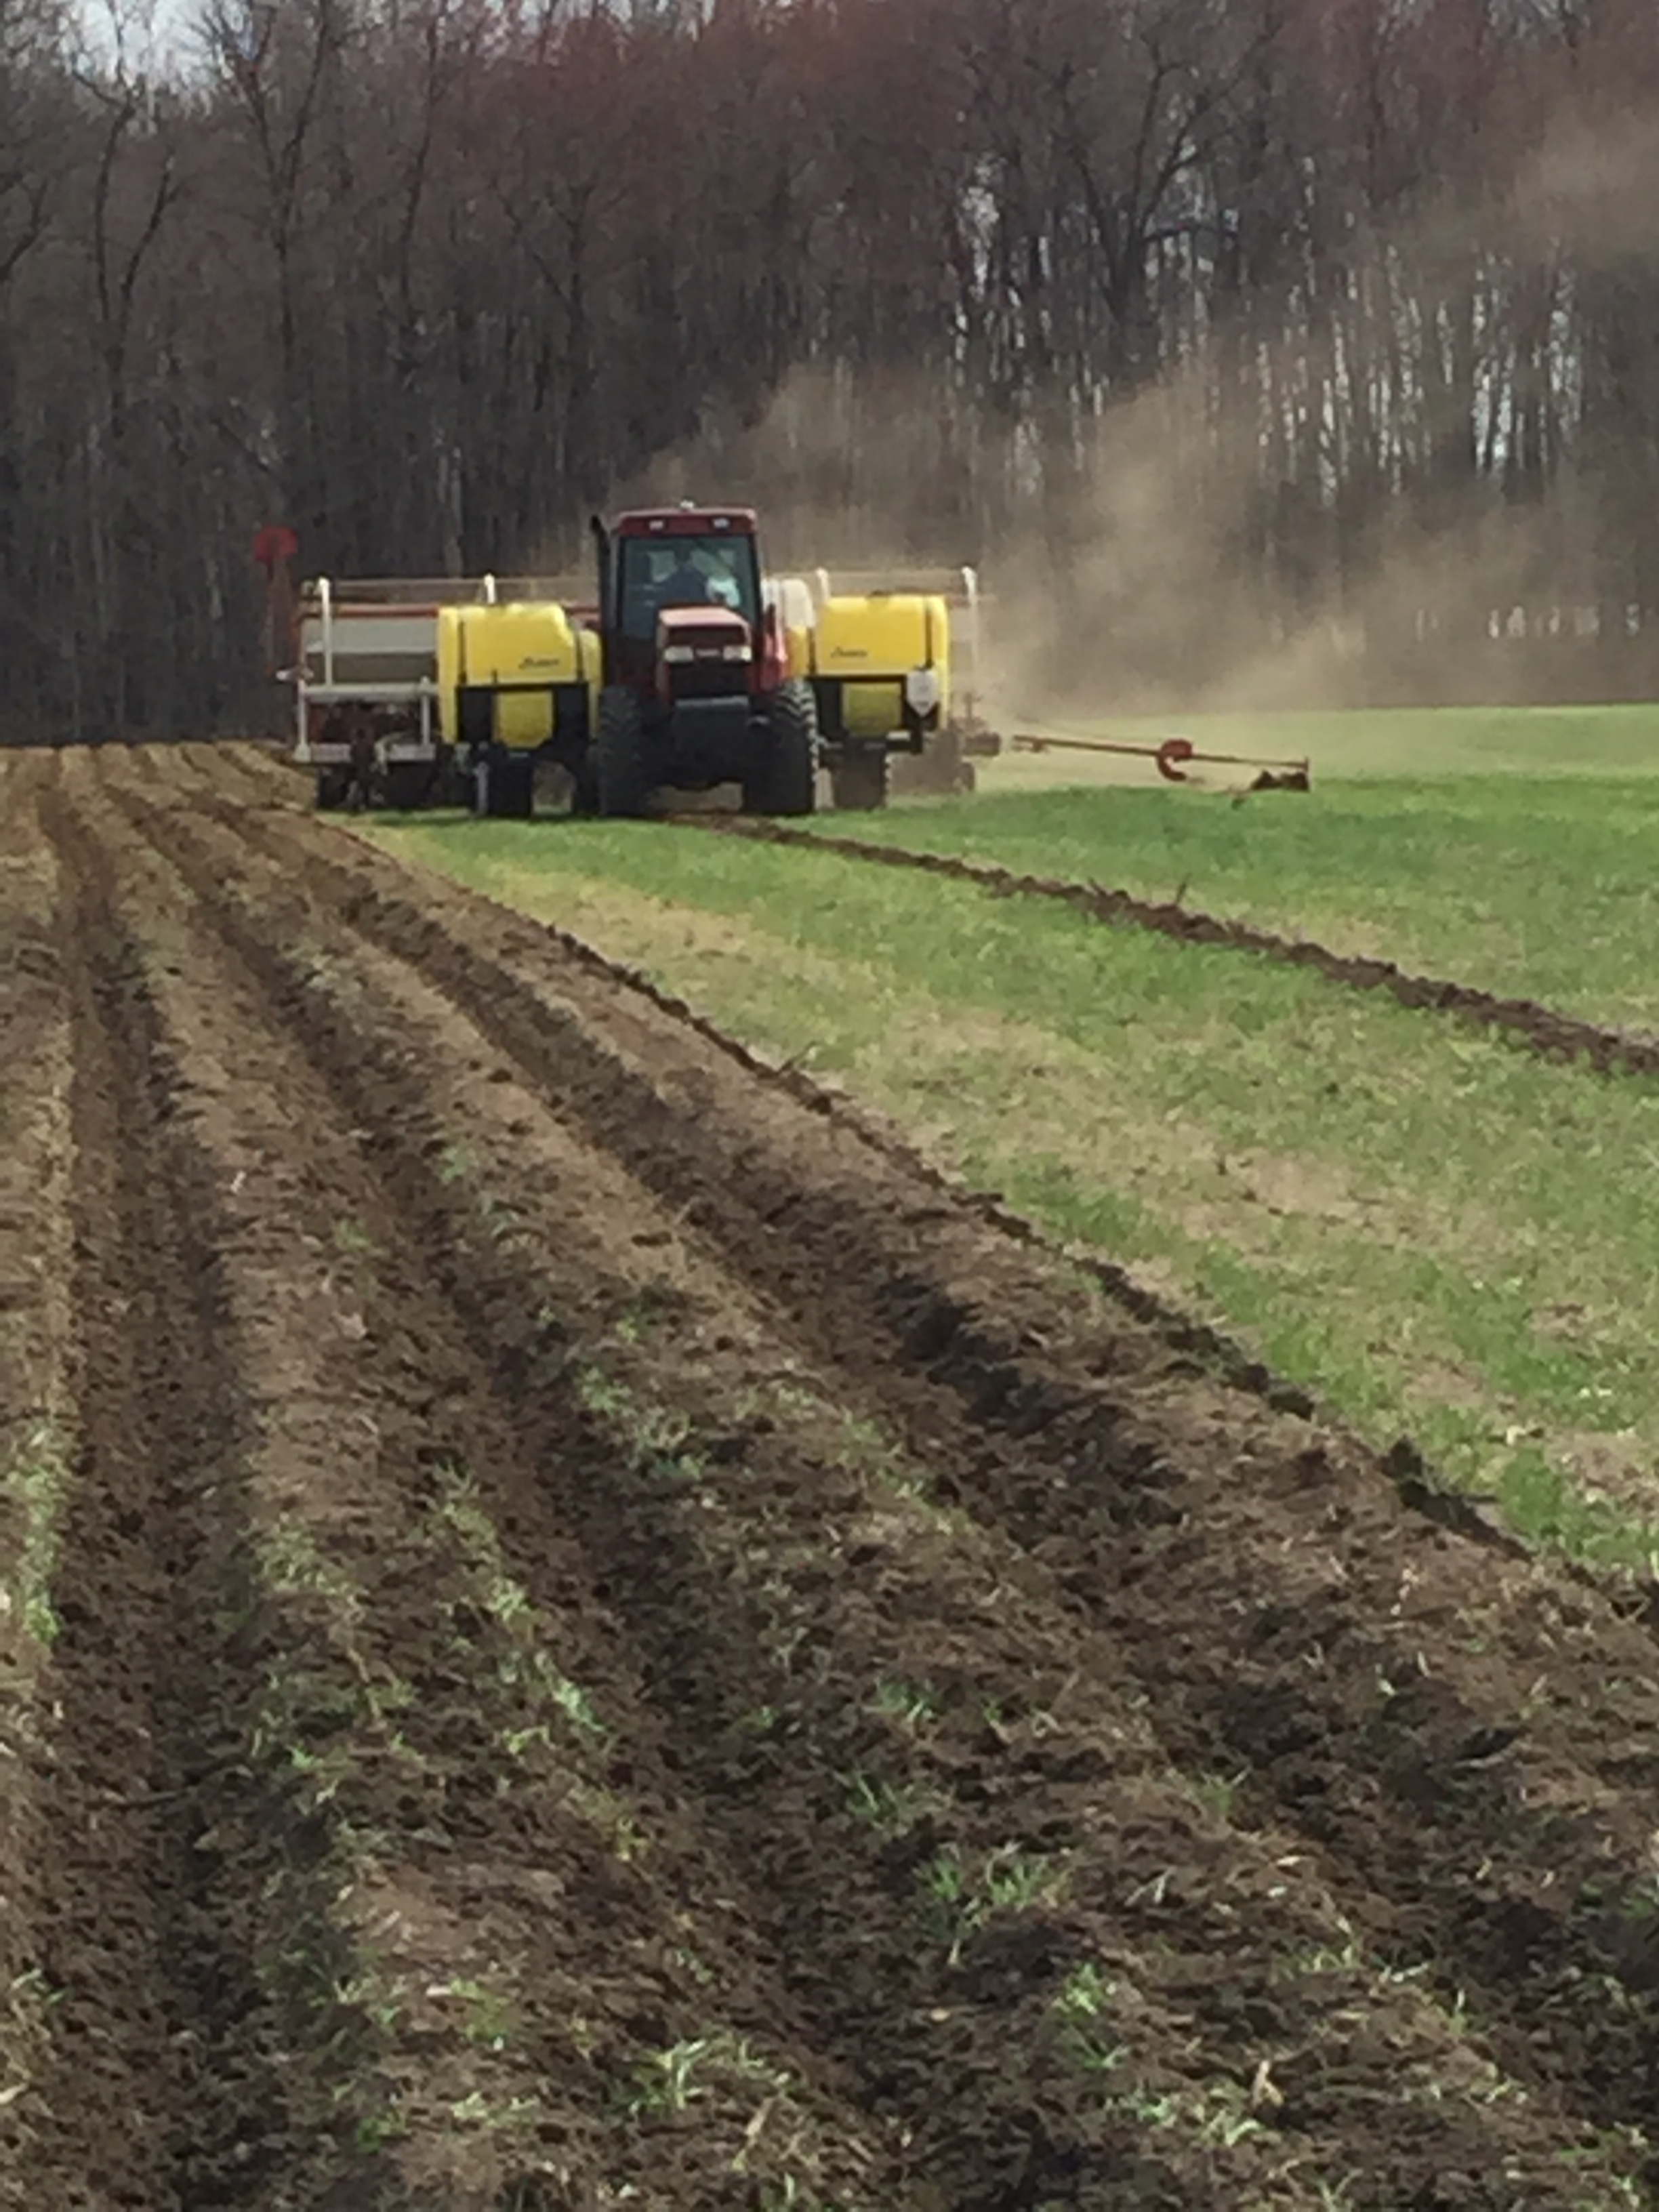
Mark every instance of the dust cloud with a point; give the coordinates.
(1296, 516)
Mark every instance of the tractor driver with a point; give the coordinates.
(685, 585)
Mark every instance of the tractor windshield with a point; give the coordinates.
(685, 571)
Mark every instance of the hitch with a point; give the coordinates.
(1174, 755)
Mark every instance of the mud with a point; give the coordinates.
(619, 1642)
(1534, 1028)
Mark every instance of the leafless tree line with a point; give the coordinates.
(1232, 329)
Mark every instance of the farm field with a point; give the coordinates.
(580, 1627)
(1437, 1231)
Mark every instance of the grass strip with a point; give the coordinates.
(1537, 887)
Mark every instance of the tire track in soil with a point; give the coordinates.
(220, 872)
(1545, 1031)
(1471, 1738)
(156, 2090)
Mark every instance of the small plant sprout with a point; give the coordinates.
(1086, 1994)
(599, 1393)
(1224, 2116)
(499, 2115)
(291, 1566)
(792, 2194)
(670, 2081)
(526, 1665)
(375, 2130)
(1218, 1793)
(489, 2018)
(868, 1448)
(1015, 1880)
(456, 1163)
(959, 1899)
(1085, 1998)
(890, 1807)
(912, 1704)
(1335, 2196)
(1219, 2115)
(354, 1240)
(35, 1480)
(657, 1438)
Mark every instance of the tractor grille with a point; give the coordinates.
(708, 679)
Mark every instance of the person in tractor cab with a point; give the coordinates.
(685, 585)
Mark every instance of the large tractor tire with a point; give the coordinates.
(506, 784)
(787, 784)
(332, 784)
(859, 783)
(622, 773)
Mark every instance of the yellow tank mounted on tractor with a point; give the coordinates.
(515, 687)
(925, 619)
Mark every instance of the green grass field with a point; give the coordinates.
(1514, 852)
(1442, 1236)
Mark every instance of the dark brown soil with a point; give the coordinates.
(1540, 1028)
(621, 1644)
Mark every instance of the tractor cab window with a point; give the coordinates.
(685, 572)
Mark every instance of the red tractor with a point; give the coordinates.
(696, 689)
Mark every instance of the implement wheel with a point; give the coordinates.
(621, 774)
(861, 783)
(506, 784)
(409, 785)
(787, 784)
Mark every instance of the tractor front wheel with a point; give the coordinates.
(787, 784)
(621, 776)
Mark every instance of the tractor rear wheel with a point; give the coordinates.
(621, 776)
(787, 783)
(861, 783)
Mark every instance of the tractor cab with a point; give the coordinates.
(667, 562)
(696, 690)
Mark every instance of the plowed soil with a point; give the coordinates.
(577, 1631)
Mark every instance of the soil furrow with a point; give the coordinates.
(36, 1410)
(1469, 1737)
(652, 1560)
(155, 2090)
(1539, 1029)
